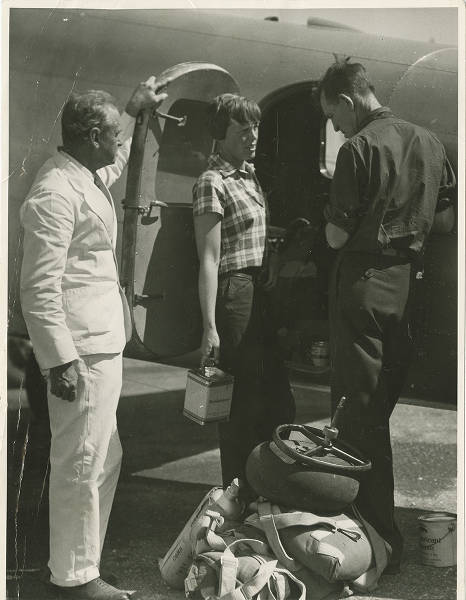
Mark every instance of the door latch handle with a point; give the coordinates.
(144, 210)
(147, 218)
(180, 121)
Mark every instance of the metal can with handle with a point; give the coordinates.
(320, 353)
(437, 539)
(208, 395)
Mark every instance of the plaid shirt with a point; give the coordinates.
(236, 195)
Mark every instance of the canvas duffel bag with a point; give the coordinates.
(343, 547)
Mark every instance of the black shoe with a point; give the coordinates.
(45, 575)
(393, 568)
(97, 589)
(394, 564)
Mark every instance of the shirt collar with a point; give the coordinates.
(85, 171)
(378, 113)
(225, 168)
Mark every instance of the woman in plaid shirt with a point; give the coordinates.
(230, 227)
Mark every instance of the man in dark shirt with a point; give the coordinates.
(389, 175)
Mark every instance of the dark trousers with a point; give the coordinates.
(262, 398)
(370, 298)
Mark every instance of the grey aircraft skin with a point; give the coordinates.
(53, 51)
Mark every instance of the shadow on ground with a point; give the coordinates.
(149, 513)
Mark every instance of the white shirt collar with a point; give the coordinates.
(85, 171)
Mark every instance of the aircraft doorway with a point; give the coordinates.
(295, 161)
(289, 167)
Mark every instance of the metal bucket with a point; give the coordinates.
(437, 539)
(319, 354)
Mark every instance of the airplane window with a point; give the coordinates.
(183, 152)
(331, 141)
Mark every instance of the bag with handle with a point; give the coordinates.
(218, 509)
(342, 547)
(246, 570)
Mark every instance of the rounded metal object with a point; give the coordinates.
(320, 354)
(313, 474)
(296, 486)
(437, 539)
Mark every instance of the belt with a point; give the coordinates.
(387, 255)
(250, 272)
(396, 252)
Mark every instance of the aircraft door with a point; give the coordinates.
(159, 265)
(426, 95)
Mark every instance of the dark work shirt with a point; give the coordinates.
(387, 181)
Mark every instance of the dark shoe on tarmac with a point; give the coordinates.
(45, 575)
(393, 568)
(97, 589)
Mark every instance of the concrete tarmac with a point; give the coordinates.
(170, 463)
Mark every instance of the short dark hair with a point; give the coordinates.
(82, 112)
(347, 78)
(230, 106)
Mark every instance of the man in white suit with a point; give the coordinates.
(78, 321)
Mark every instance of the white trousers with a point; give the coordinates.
(85, 460)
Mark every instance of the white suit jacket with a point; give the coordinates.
(71, 298)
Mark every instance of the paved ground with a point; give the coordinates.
(170, 463)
